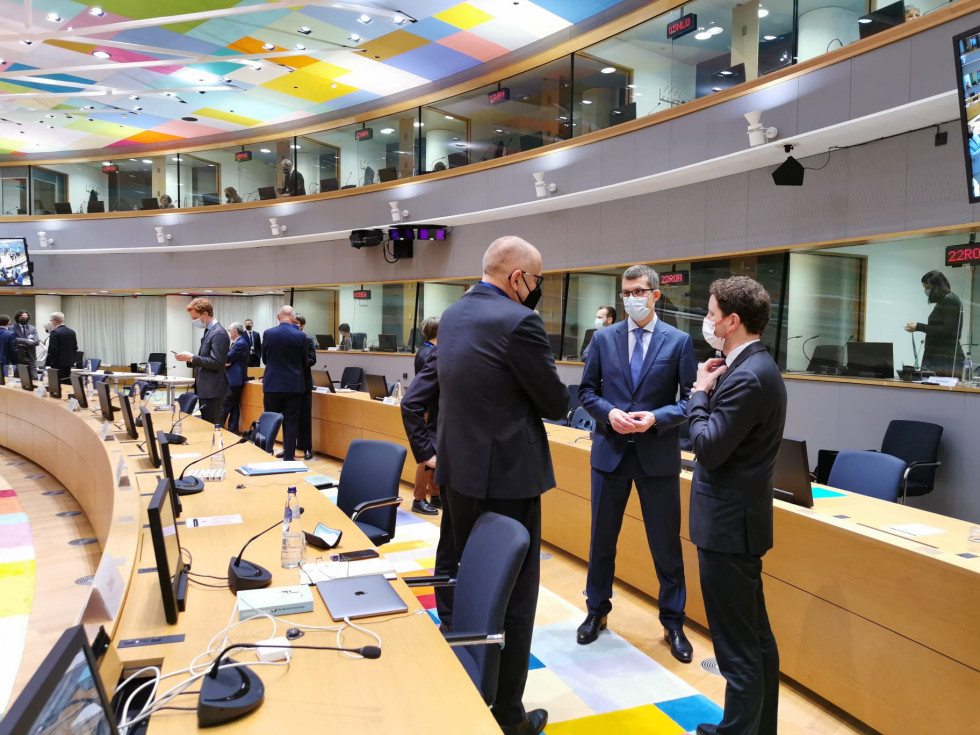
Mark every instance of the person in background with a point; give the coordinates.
(430, 333)
(605, 316)
(293, 184)
(942, 352)
(26, 340)
(42, 349)
(211, 383)
(236, 370)
(304, 434)
(62, 346)
(285, 354)
(231, 196)
(8, 344)
(736, 413)
(254, 345)
(166, 202)
(424, 442)
(344, 342)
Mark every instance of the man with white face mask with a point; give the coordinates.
(604, 317)
(636, 384)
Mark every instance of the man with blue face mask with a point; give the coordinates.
(636, 383)
(211, 383)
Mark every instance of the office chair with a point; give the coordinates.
(352, 377)
(141, 388)
(95, 362)
(582, 420)
(358, 340)
(868, 473)
(79, 359)
(187, 402)
(266, 431)
(368, 489)
(158, 357)
(573, 401)
(488, 570)
(916, 443)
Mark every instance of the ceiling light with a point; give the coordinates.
(716, 89)
(107, 163)
(89, 107)
(768, 38)
(586, 102)
(387, 131)
(133, 160)
(702, 35)
(864, 20)
(53, 17)
(49, 115)
(449, 117)
(418, 124)
(399, 20)
(563, 117)
(299, 47)
(178, 159)
(630, 86)
(134, 96)
(762, 11)
(269, 46)
(28, 43)
(294, 146)
(147, 160)
(364, 19)
(96, 11)
(305, 31)
(354, 37)
(264, 150)
(498, 130)
(101, 54)
(715, 30)
(255, 65)
(608, 70)
(137, 108)
(90, 119)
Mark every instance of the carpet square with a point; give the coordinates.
(689, 712)
(647, 720)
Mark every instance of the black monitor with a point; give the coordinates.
(870, 359)
(127, 411)
(388, 174)
(377, 386)
(321, 379)
(267, 192)
(65, 694)
(387, 343)
(105, 399)
(78, 386)
(825, 358)
(325, 341)
(146, 415)
(162, 517)
(358, 340)
(967, 48)
(97, 206)
(328, 185)
(622, 114)
(209, 200)
(150, 203)
(587, 339)
(24, 373)
(881, 20)
(791, 475)
(54, 383)
(188, 486)
(62, 208)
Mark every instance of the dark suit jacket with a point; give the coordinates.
(8, 346)
(210, 363)
(285, 352)
(669, 370)
(26, 343)
(497, 378)
(422, 356)
(294, 184)
(736, 433)
(62, 345)
(237, 369)
(309, 363)
(257, 343)
(420, 409)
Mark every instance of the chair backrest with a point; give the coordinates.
(155, 367)
(358, 340)
(95, 362)
(267, 431)
(79, 359)
(868, 473)
(140, 388)
(372, 470)
(159, 358)
(573, 401)
(582, 420)
(352, 377)
(914, 441)
(488, 569)
(187, 402)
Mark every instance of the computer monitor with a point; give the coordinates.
(321, 379)
(78, 386)
(358, 340)
(622, 114)
(150, 203)
(791, 475)
(209, 200)
(825, 358)
(267, 192)
(127, 411)
(105, 399)
(388, 174)
(587, 339)
(24, 373)
(377, 386)
(881, 20)
(325, 341)
(870, 359)
(329, 185)
(387, 343)
(146, 415)
(65, 694)
(54, 384)
(171, 572)
(62, 208)
(96, 206)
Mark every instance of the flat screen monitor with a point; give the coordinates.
(97, 206)
(24, 373)
(377, 386)
(78, 386)
(62, 208)
(881, 20)
(54, 384)
(387, 343)
(150, 203)
(870, 359)
(358, 340)
(967, 51)
(321, 379)
(105, 399)
(587, 339)
(15, 262)
(151, 438)
(825, 358)
(328, 185)
(325, 341)
(127, 411)
(166, 548)
(791, 475)
(65, 694)
(267, 192)
(388, 174)
(622, 114)
(182, 486)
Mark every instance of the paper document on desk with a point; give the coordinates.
(271, 468)
(326, 570)
(185, 455)
(913, 529)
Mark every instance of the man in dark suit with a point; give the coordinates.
(236, 371)
(737, 412)
(285, 354)
(304, 433)
(254, 345)
(430, 333)
(62, 346)
(210, 381)
(293, 184)
(497, 378)
(26, 342)
(635, 384)
(8, 344)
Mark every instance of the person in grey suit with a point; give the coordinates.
(26, 342)
(211, 383)
(737, 411)
(497, 379)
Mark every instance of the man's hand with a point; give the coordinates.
(430, 462)
(642, 420)
(910, 327)
(709, 373)
(184, 356)
(621, 422)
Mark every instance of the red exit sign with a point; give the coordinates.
(111, 169)
(363, 295)
(682, 26)
(364, 134)
(501, 95)
(674, 278)
(242, 156)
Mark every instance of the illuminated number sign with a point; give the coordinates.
(364, 295)
(674, 278)
(957, 255)
(364, 134)
(501, 95)
(110, 169)
(682, 26)
(243, 156)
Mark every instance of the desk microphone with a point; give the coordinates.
(244, 575)
(243, 440)
(803, 346)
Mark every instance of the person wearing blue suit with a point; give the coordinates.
(636, 384)
(284, 353)
(7, 344)
(236, 369)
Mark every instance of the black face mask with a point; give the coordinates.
(23, 321)
(285, 171)
(533, 296)
(248, 327)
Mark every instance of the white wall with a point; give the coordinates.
(363, 316)
(437, 297)
(316, 307)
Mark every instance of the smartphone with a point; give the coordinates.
(355, 555)
(323, 537)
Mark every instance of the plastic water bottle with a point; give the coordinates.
(218, 460)
(88, 365)
(967, 369)
(398, 391)
(292, 536)
(174, 424)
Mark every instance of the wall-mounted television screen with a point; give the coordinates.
(966, 47)
(15, 265)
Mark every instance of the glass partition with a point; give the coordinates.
(383, 149)
(240, 180)
(321, 308)
(381, 316)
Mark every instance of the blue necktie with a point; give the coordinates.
(636, 362)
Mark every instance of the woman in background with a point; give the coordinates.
(942, 352)
(231, 196)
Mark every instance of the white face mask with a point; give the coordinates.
(198, 324)
(708, 332)
(636, 308)
(600, 323)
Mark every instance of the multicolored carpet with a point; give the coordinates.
(16, 585)
(610, 686)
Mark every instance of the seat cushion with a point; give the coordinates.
(375, 534)
(469, 663)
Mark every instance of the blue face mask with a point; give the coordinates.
(198, 324)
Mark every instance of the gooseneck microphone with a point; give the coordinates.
(803, 346)
(371, 652)
(206, 456)
(245, 575)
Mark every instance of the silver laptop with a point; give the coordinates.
(321, 379)
(360, 597)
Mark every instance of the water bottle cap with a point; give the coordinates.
(291, 490)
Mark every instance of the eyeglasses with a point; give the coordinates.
(533, 275)
(638, 292)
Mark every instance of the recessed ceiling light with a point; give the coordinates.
(49, 115)
(387, 131)
(167, 94)
(398, 19)
(264, 150)
(255, 65)
(90, 119)
(102, 54)
(147, 160)
(762, 11)
(726, 73)
(53, 17)
(702, 35)
(863, 21)
(716, 89)
(418, 124)
(768, 38)
(132, 159)
(28, 43)
(294, 146)
(89, 107)
(608, 70)
(189, 119)
(305, 31)
(364, 19)
(715, 30)
(96, 11)
(178, 159)
(563, 117)
(354, 37)
(269, 46)
(134, 96)
(498, 130)
(137, 108)
(299, 47)
(586, 102)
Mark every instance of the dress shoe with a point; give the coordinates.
(280, 455)
(435, 501)
(706, 729)
(420, 506)
(589, 630)
(308, 454)
(680, 646)
(532, 724)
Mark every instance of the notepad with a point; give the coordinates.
(913, 529)
(271, 468)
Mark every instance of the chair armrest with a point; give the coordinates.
(372, 504)
(439, 580)
(915, 465)
(475, 639)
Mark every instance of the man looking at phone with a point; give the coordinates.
(636, 384)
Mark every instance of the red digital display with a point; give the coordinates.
(958, 255)
(110, 169)
(674, 278)
(364, 134)
(501, 95)
(682, 26)
(243, 156)
(363, 295)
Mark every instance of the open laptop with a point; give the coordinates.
(325, 341)
(387, 343)
(360, 597)
(267, 192)
(825, 358)
(149, 203)
(377, 386)
(62, 208)
(321, 379)
(791, 476)
(870, 359)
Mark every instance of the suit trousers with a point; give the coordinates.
(745, 648)
(661, 506)
(304, 433)
(508, 709)
(211, 409)
(232, 408)
(31, 367)
(447, 563)
(288, 404)
(64, 374)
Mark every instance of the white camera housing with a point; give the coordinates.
(758, 134)
(162, 236)
(397, 215)
(541, 188)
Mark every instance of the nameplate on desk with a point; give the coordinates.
(206, 521)
(122, 475)
(106, 433)
(185, 455)
(913, 529)
(322, 389)
(72, 404)
(153, 641)
(107, 587)
(40, 392)
(390, 401)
